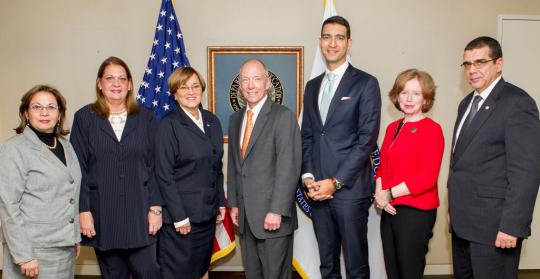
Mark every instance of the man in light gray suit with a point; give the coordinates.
(263, 170)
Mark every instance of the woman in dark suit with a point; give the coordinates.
(406, 181)
(120, 206)
(189, 150)
(39, 191)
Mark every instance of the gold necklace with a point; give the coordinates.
(54, 145)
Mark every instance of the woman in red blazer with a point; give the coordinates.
(406, 181)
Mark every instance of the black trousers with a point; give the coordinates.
(405, 237)
(140, 263)
(484, 261)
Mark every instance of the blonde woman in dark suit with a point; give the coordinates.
(189, 149)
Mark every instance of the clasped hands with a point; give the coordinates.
(320, 190)
(382, 202)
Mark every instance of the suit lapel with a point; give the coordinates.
(44, 152)
(208, 125)
(189, 124)
(106, 127)
(317, 90)
(483, 114)
(132, 122)
(341, 90)
(259, 125)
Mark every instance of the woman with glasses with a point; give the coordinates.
(189, 149)
(406, 181)
(120, 204)
(40, 181)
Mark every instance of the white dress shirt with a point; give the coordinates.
(256, 109)
(484, 94)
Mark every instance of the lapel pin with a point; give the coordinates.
(413, 130)
(207, 125)
(487, 107)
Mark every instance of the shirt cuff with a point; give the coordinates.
(307, 175)
(181, 223)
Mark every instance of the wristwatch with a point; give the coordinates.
(155, 211)
(337, 184)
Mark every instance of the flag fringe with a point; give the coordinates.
(223, 252)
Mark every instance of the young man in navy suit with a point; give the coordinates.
(339, 131)
(494, 169)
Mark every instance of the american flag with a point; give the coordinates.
(169, 53)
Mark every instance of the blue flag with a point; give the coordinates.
(168, 53)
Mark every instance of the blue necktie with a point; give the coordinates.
(326, 97)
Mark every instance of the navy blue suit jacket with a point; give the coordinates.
(118, 183)
(189, 167)
(341, 147)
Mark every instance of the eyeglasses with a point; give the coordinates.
(193, 88)
(256, 79)
(112, 79)
(40, 107)
(477, 63)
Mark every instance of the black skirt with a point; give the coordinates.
(186, 256)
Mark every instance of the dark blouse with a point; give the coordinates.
(50, 139)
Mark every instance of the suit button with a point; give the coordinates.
(213, 185)
(214, 151)
(72, 201)
(71, 220)
(214, 168)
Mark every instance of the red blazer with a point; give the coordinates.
(414, 157)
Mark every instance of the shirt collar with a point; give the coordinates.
(257, 108)
(484, 94)
(195, 120)
(339, 71)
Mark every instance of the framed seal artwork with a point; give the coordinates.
(285, 66)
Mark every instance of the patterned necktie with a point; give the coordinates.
(247, 132)
(474, 110)
(326, 97)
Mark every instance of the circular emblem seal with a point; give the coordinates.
(237, 101)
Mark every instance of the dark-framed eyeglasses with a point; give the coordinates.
(476, 63)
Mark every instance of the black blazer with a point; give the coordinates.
(495, 167)
(189, 167)
(341, 147)
(118, 183)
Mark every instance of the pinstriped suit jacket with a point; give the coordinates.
(118, 184)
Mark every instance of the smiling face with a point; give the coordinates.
(254, 82)
(43, 113)
(334, 44)
(411, 99)
(114, 84)
(481, 76)
(189, 94)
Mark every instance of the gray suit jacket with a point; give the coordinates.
(495, 167)
(265, 181)
(39, 196)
